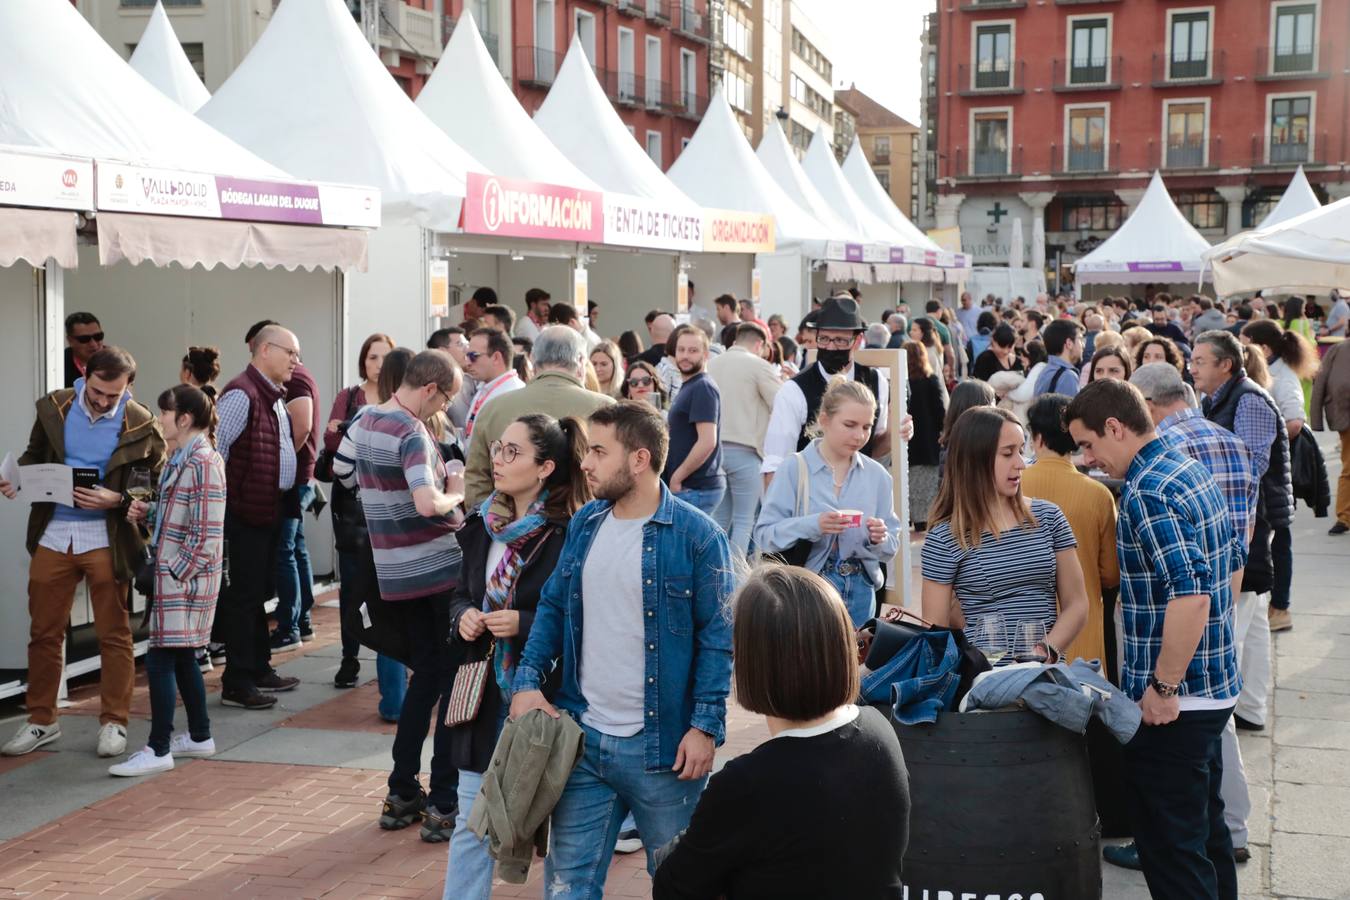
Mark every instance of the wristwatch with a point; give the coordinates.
(1162, 687)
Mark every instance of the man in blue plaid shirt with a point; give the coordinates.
(1178, 550)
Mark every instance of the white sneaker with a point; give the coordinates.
(112, 740)
(142, 762)
(184, 745)
(30, 737)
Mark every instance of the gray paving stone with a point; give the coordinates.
(1309, 865)
(1258, 823)
(1312, 704)
(1256, 753)
(1317, 623)
(319, 747)
(1291, 731)
(1312, 809)
(1304, 641)
(1315, 684)
(1305, 765)
(1312, 666)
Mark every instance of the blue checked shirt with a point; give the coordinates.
(1176, 539)
(1225, 456)
(1254, 422)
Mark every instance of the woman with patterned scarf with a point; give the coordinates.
(511, 545)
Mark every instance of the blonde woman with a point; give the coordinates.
(848, 514)
(609, 370)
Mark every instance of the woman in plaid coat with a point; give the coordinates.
(188, 534)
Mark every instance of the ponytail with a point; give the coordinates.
(196, 403)
(564, 443)
(1284, 344)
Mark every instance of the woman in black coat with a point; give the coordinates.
(511, 546)
(927, 406)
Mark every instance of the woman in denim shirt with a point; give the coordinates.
(838, 477)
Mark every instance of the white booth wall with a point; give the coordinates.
(21, 343)
(390, 297)
(157, 313)
(629, 285)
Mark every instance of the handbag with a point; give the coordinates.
(323, 463)
(798, 553)
(144, 579)
(466, 694)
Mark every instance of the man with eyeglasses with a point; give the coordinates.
(839, 329)
(84, 338)
(256, 439)
(489, 363)
(95, 425)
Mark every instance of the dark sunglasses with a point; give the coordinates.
(473, 355)
(86, 338)
(645, 381)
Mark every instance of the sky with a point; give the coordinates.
(876, 44)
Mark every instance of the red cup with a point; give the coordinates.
(853, 518)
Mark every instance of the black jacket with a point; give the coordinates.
(925, 405)
(1310, 473)
(471, 744)
(1275, 498)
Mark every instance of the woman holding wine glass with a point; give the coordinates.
(993, 561)
(187, 525)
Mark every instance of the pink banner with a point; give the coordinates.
(513, 207)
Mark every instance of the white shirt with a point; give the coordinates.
(1287, 392)
(842, 716)
(525, 328)
(789, 416)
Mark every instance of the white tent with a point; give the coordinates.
(776, 154)
(160, 58)
(858, 172)
(313, 98)
(1155, 245)
(1297, 199)
(718, 168)
(823, 170)
(581, 122)
(1306, 254)
(468, 99)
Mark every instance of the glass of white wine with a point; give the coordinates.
(991, 637)
(139, 485)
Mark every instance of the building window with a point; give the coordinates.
(990, 156)
(1203, 209)
(688, 81)
(993, 56)
(805, 94)
(1260, 204)
(1295, 39)
(799, 136)
(1190, 46)
(544, 63)
(1087, 140)
(584, 24)
(654, 146)
(883, 176)
(737, 91)
(1095, 213)
(1185, 135)
(736, 35)
(1090, 52)
(627, 65)
(811, 56)
(1290, 129)
(881, 149)
(653, 69)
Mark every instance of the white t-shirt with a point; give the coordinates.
(613, 658)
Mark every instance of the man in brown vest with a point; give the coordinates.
(255, 438)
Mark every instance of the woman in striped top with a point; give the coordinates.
(990, 550)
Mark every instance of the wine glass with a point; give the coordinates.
(1029, 634)
(139, 485)
(991, 637)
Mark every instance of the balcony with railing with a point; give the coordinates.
(147, 4)
(1103, 74)
(1186, 154)
(490, 39)
(689, 21)
(1082, 160)
(1196, 69)
(657, 10)
(689, 105)
(407, 29)
(991, 78)
(1293, 63)
(1296, 150)
(987, 164)
(636, 8)
(985, 5)
(881, 157)
(537, 66)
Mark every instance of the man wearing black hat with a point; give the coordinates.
(839, 329)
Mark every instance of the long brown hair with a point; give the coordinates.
(565, 444)
(920, 367)
(966, 498)
(1290, 346)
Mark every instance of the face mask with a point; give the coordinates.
(833, 361)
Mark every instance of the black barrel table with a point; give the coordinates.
(1002, 808)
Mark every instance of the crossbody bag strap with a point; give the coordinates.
(803, 488)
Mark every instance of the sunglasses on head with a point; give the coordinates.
(86, 338)
(644, 381)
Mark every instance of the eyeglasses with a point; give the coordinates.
(474, 355)
(508, 452)
(293, 354)
(86, 338)
(834, 343)
(644, 381)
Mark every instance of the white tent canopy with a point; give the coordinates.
(719, 169)
(1154, 245)
(159, 57)
(1298, 199)
(1306, 254)
(823, 170)
(776, 154)
(581, 122)
(64, 90)
(313, 98)
(858, 172)
(468, 99)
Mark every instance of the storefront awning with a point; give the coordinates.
(170, 239)
(37, 235)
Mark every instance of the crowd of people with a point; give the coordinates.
(547, 536)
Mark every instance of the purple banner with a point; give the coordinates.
(269, 201)
(853, 252)
(897, 254)
(1155, 267)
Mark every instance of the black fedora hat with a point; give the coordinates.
(839, 314)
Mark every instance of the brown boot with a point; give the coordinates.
(1280, 620)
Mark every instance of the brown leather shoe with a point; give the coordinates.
(1280, 619)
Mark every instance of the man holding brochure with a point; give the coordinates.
(94, 425)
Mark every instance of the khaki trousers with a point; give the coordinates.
(52, 579)
(1343, 483)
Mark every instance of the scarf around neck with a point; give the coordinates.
(499, 592)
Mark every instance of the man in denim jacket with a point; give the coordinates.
(636, 616)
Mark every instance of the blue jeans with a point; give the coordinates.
(295, 579)
(468, 871)
(860, 596)
(393, 678)
(703, 499)
(607, 783)
(745, 484)
(165, 669)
